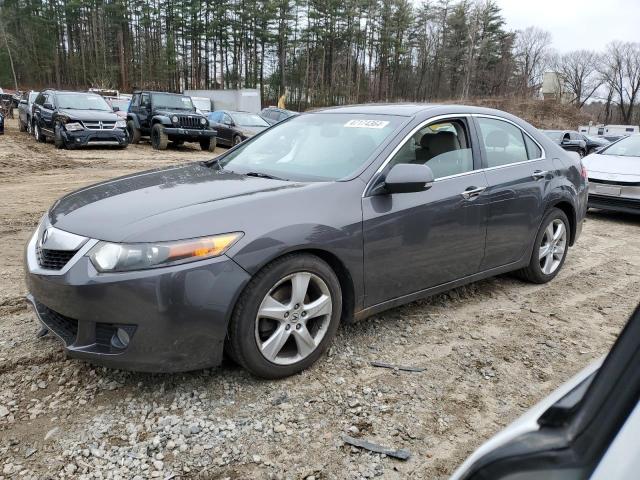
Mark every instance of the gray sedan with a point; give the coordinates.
(614, 176)
(326, 217)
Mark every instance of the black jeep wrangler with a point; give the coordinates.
(168, 117)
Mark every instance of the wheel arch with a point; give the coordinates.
(570, 211)
(161, 119)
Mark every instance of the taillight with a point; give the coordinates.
(583, 171)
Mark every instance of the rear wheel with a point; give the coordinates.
(22, 126)
(29, 126)
(208, 144)
(236, 140)
(159, 139)
(550, 248)
(286, 316)
(134, 133)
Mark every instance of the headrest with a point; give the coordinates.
(439, 143)
(497, 139)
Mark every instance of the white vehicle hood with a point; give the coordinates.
(612, 167)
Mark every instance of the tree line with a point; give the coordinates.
(316, 52)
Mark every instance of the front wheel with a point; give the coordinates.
(58, 140)
(208, 144)
(22, 126)
(286, 316)
(37, 133)
(159, 139)
(134, 133)
(237, 140)
(550, 248)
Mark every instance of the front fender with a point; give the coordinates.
(162, 119)
(134, 119)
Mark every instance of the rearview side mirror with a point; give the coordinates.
(48, 106)
(407, 178)
(116, 109)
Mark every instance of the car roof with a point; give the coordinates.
(414, 109)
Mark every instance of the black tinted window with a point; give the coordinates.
(503, 142)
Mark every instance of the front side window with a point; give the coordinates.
(443, 146)
(503, 142)
(314, 146)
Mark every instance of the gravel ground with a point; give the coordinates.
(490, 351)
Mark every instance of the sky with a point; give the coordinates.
(576, 24)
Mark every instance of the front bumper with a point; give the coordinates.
(193, 134)
(612, 196)
(82, 138)
(176, 317)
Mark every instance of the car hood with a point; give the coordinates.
(142, 207)
(89, 115)
(612, 167)
(169, 112)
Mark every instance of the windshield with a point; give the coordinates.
(202, 103)
(172, 102)
(249, 120)
(554, 135)
(627, 147)
(315, 146)
(121, 103)
(82, 101)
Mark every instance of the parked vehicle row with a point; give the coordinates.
(235, 127)
(273, 115)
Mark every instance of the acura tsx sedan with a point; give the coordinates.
(325, 217)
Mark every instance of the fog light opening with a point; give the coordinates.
(120, 339)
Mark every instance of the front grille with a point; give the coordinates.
(99, 125)
(53, 259)
(65, 327)
(187, 121)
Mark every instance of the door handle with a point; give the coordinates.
(472, 192)
(540, 174)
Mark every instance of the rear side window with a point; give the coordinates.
(533, 150)
(503, 142)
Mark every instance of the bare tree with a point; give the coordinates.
(532, 54)
(621, 73)
(579, 73)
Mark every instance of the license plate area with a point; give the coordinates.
(608, 190)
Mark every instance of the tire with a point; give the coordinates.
(177, 143)
(536, 271)
(159, 139)
(236, 140)
(57, 139)
(582, 153)
(249, 331)
(134, 133)
(22, 126)
(37, 132)
(209, 144)
(29, 126)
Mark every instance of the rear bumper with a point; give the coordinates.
(618, 204)
(176, 317)
(82, 138)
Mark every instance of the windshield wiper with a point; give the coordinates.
(263, 175)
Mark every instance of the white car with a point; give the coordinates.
(614, 176)
(587, 429)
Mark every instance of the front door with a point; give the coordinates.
(414, 241)
(144, 112)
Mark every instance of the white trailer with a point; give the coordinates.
(606, 130)
(243, 100)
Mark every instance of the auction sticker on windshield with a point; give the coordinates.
(366, 124)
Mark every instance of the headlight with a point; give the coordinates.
(174, 119)
(119, 257)
(203, 121)
(73, 126)
(121, 124)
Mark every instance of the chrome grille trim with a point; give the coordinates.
(100, 125)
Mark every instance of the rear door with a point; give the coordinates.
(518, 174)
(414, 241)
(46, 112)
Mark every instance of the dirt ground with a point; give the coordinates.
(490, 351)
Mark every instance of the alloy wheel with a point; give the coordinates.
(552, 246)
(293, 318)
